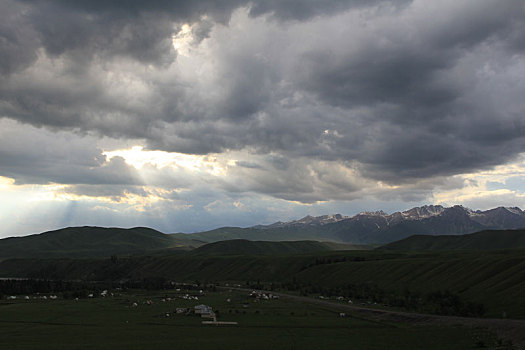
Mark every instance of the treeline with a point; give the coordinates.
(69, 289)
(437, 302)
(81, 289)
(332, 260)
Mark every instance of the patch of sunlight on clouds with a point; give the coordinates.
(182, 40)
(138, 157)
(6, 183)
(384, 186)
(12, 193)
(46, 193)
(131, 199)
(480, 186)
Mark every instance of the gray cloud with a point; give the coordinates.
(303, 10)
(246, 164)
(35, 156)
(18, 42)
(140, 30)
(395, 91)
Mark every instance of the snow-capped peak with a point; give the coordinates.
(491, 218)
(423, 212)
(373, 213)
(319, 220)
(515, 210)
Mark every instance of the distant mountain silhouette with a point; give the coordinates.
(376, 227)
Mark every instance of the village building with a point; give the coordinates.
(203, 310)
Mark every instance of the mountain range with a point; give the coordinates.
(376, 227)
(364, 230)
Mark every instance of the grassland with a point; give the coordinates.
(495, 279)
(113, 322)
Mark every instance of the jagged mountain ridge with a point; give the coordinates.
(496, 218)
(378, 227)
(307, 220)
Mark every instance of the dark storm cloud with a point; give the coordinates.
(429, 113)
(82, 36)
(402, 64)
(305, 9)
(33, 156)
(139, 29)
(18, 42)
(397, 91)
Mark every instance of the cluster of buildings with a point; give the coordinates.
(189, 297)
(27, 297)
(202, 310)
(263, 295)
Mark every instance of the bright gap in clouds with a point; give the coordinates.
(503, 185)
(182, 40)
(138, 157)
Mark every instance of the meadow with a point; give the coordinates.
(495, 279)
(138, 319)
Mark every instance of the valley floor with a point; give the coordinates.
(148, 319)
(509, 329)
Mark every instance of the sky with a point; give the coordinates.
(190, 115)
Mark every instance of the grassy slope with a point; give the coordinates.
(496, 279)
(484, 240)
(253, 234)
(91, 241)
(245, 247)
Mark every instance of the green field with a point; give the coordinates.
(114, 323)
(495, 279)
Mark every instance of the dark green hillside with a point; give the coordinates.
(484, 240)
(91, 242)
(245, 247)
(255, 234)
(493, 278)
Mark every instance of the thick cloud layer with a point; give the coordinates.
(402, 92)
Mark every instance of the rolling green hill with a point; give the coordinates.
(92, 242)
(86, 242)
(255, 234)
(484, 240)
(245, 247)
